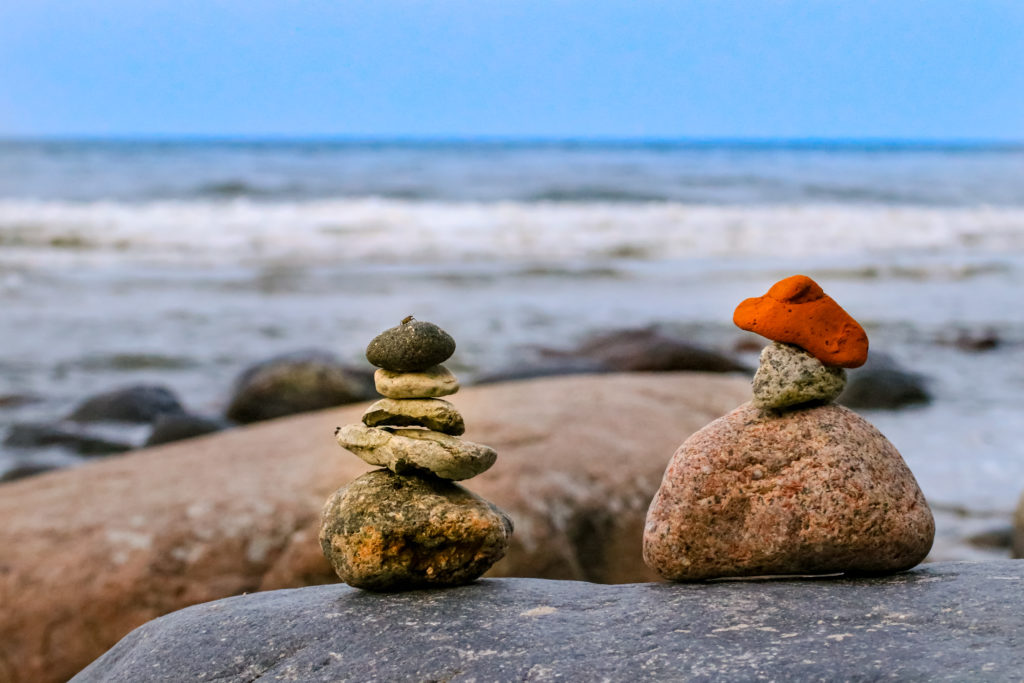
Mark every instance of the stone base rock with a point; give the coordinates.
(810, 491)
(127, 539)
(387, 532)
(941, 622)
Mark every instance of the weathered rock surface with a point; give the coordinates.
(296, 382)
(410, 347)
(65, 435)
(384, 531)
(433, 382)
(810, 491)
(141, 403)
(882, 385)
(432, 413)
(407, 450)
(128, 539)
(789, 376)
(940, 622)
(176, 427)
(647, 350)
(797, 311)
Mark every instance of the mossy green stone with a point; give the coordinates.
(410, 347)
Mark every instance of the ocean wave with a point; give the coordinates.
(398, 231)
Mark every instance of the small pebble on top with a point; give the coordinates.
(411, 346)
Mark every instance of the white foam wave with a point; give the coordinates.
(392, 231)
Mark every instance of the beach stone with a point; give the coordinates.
(811, 491)
(797, 311)
(140, 403)
(410, 347)
(645, 350)
(64, 435)
(26, 469)
(883, 385)
(432, 413)
(296, 382)
(409, 450)
(90, 553)
(433, 382)
(940, 622)
(170, 428)
(387, 532)
(789, 376)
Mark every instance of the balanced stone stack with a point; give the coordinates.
(409, 526)
(790, 483)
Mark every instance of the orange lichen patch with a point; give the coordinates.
(797, 311)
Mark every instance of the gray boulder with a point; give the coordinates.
(141, 403)
(881, 384)
(65, 435)
(946, 621)
(647, 350)
(176, 427)
(297, 382)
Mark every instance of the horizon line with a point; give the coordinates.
(781, 142)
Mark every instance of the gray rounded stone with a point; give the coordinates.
(432, 413)
(408, 450)
(941, 622)
(387, 532)
(410, 347)
(430, 383)
(789, 376)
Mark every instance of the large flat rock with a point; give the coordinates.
(944, 621)
(88, 554)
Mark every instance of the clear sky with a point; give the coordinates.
(918, 69)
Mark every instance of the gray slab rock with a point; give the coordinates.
(948, 621)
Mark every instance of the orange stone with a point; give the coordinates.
(797, 311)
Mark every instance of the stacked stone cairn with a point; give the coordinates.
(790, 483)
(409, 525)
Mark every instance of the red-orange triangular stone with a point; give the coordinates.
(797, 311)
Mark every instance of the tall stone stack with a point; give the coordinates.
(790, 483)
(409, 525)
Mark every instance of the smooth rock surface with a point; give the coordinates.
(386, 532)
(940, 622)
(407, 450)
(140, 403)
(296, 382)
(432, 413)
(789, 376)
(410, 347)
(811, 491)
(433, 382)
(130, 538)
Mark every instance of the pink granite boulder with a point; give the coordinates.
(812, 491)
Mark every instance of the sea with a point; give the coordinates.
(182, 262)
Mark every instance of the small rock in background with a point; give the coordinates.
(789, 376)
(140, 403)
(295, 383)
(26, 469)
(18, 400)
(882, 385)
(631, 350)
(65, 435)
(168, 428)
(1018, 529)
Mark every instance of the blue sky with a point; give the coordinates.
(928, 69)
